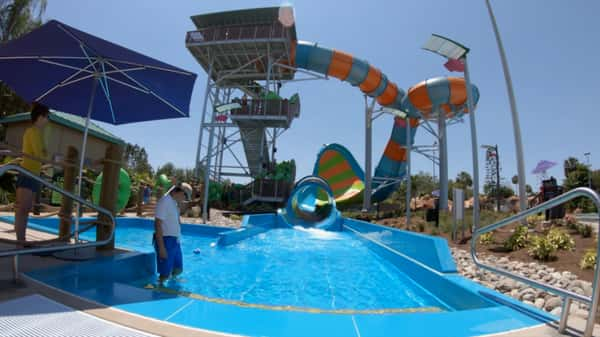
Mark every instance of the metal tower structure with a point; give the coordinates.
(492, 171)
(439, 117)
(247, 55)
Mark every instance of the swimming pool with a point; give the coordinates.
(364, 280)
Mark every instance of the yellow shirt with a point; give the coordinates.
(33, 145)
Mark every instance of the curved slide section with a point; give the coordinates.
(347, 68)
(335, 163)
(311, 204)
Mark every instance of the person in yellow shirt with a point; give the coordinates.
(33, 145)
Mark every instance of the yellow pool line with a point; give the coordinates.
(297, 309)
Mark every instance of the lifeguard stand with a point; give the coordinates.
(247, 55)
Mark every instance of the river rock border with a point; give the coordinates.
(523, 292)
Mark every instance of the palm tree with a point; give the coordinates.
(17, 17)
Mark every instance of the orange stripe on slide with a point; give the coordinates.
(395, 151)
(326, 156)
(414, 122)
(293, 52)
(419, 97)
(344, 183)
(341, 64)
(458, 91)
(341, 168)
(389, 94)
(447, 110)
(372, 81)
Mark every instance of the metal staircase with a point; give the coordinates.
(252, 138)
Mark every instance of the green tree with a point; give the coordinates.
(490, 191)
(136, 159)
(528, 189)
(463, 180)
(17, 17)
(572, 164)
(167, 169)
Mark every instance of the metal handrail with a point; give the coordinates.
(567, 295)
(22, 251)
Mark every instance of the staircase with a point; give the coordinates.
(252, 139)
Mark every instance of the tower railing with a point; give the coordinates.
(238, 32)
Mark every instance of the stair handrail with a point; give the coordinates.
(22, 251)
(567, 295)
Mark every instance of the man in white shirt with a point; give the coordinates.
(167, 230)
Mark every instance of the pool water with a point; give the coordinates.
(305, 268)
(297, 267)
(295, 282)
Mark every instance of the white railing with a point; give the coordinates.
(567, 295)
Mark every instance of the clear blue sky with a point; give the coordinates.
(551, 46)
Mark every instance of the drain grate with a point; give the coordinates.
(38, 316)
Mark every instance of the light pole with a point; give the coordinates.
(589, 166)
(494, 149)
(453, 50)
(513, 109)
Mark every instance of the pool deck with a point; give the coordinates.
(27, 286)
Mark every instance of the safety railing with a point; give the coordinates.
(567, 295)
(236, 33)
(54, 248)
(268, 107)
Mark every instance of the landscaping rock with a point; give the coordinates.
(552, 303)
(587, 288)
(556, 311)
(539, 303)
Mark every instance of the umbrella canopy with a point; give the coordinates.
(64, 68)
(543, 166)
(75, 72)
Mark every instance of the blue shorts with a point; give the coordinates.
(24, 181)
(173, 261)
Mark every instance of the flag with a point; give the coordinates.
(455, 65)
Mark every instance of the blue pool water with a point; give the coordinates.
(303, 268)
(308, 268)
(291, 282)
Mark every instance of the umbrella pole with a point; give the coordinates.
(81, 160)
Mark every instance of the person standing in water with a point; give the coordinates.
(167, 232)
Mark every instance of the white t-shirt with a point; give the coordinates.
(168, 212)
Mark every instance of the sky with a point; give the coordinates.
(550, 47)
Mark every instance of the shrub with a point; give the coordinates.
(435, 231)
(421, 226)
(585, 230)
(235, 217)
(561, 239)
(571, 221)
(542, 248)
(486, 238)
(588, 261)
(518, 239)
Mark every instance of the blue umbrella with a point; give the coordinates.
(78, 73)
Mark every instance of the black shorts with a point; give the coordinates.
(24, 181)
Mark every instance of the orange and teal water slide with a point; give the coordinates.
(335, 164)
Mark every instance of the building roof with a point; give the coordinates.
(70, 121)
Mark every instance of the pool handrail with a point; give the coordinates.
(55, 248)
(567, 295)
